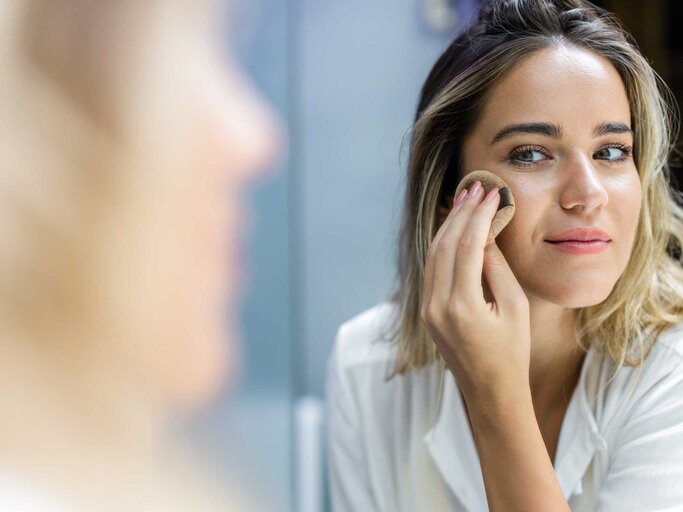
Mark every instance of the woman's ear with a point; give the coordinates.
(444, 211)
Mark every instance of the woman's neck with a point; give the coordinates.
(65, 409)
(84, 433)
(556, 358)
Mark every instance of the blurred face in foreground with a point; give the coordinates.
(186, 214)
(128, 144)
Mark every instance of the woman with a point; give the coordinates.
(543, 371)
(127, 142)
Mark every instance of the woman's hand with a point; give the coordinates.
(485, 344)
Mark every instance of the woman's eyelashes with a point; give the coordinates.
(615, 152)
(528, 156)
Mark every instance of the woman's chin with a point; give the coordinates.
(573, 296)
(199, 390)
(203, 374)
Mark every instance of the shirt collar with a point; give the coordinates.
(452, 447)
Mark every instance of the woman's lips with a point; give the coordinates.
(581, 240)
(580, 234)
(581, 247)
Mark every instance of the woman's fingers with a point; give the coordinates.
(432, 251)
(501, 280)
(446, 252)
(470, 261)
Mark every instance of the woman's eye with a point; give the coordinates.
(612, 153)
(527, 156)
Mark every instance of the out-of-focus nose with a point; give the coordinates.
(252, 133)
(582, 187)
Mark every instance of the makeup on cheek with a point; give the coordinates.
(506, 206)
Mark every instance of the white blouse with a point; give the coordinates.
(18, 495)
(394, 447)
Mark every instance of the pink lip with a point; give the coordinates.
(580, 247)
(583, 240)
(584, 234)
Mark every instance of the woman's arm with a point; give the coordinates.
(487, 346)
(518, 473)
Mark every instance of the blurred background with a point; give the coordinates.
(345, 78)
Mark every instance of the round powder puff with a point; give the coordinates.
(506, 206)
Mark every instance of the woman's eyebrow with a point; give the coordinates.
(549, 130)
(555, 131)
(605, 128)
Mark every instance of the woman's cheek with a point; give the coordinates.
(517, 234)
(510, 243)
(520, 241)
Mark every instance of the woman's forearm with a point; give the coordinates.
(518, 473)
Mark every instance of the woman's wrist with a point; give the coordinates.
(488, 404)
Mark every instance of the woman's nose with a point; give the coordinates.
(252, 133)
(582, 188)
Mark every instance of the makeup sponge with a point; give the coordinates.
(506, 206)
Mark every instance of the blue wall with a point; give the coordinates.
(362, 65)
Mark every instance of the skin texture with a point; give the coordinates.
(510, 341)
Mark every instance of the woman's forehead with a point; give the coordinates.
(567, 86)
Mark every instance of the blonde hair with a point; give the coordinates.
(647, 296)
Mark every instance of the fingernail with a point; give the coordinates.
(474, 190)
(460, 197)
(491, 196)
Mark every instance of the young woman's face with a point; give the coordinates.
(574, 171)
(217, 136)
(231, 139)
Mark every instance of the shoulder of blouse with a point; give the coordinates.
(672, 339)
(366, 337)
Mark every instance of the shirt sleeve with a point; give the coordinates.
(646, 466)
(348, 477)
